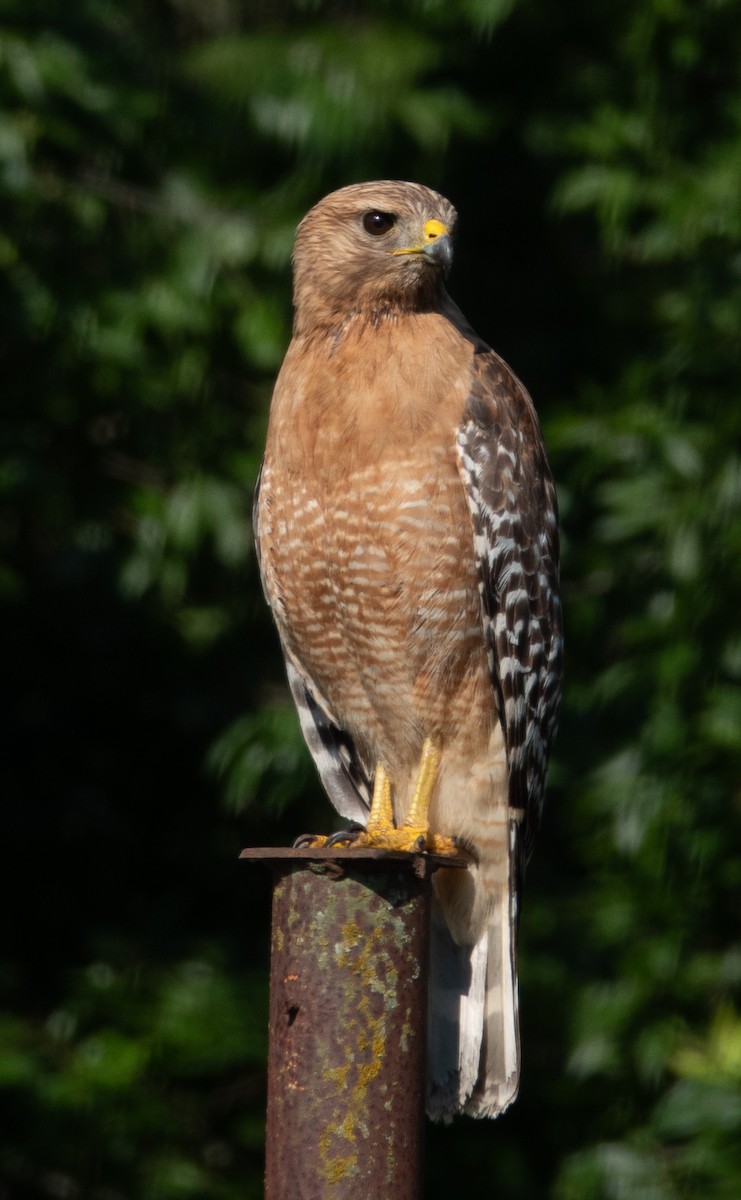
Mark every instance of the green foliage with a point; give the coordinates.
(262, 758)
(335, 87)
(137, 1061)
(154, 161)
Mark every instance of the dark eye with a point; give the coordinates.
(378, 223)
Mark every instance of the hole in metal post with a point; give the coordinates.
(292, 1013)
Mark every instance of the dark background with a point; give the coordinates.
(155, 156)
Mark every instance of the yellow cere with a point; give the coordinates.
(431, 231)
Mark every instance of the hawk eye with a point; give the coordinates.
(377, 223)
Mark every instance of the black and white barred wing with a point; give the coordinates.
(512, 501)
(340, 769)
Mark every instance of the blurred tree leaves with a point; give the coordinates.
(334, 88)
(132, 1061)
(154, 160)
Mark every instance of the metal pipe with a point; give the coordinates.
(348, 1003)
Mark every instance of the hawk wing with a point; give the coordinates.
(342, 773)
(513, 507)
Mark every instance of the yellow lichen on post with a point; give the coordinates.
(366, 1047)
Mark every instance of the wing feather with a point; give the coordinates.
(513, 507)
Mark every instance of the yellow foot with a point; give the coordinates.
(414, 835)
(380, 833)
(447, 847)
(393, 839)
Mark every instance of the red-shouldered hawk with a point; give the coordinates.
(407, 533)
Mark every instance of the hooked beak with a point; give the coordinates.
(436, 245)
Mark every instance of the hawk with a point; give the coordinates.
(407, 534)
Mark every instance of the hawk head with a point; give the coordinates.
(371, 249)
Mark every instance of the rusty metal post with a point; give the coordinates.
(348, 1002)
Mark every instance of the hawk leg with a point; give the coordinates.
(414, 834)
(382, 810)
(380, 820)
(380, 832)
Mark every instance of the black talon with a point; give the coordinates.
(348, 835)
(304, 840)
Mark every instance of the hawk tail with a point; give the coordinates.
(473, 1018)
